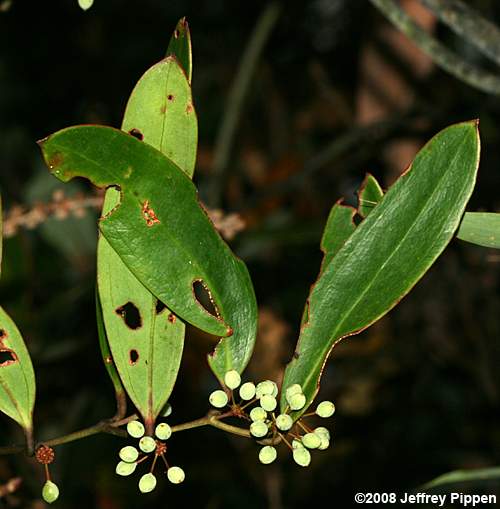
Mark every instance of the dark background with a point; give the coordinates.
(417, 394)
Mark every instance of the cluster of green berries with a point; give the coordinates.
(266, 423)
(130, 456)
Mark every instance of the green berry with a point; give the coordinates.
(302, 456)
(297, 444)
(284, 422)
(123, 468)
(258, 429)
(267, 454)
(176, 475)
(163, 431)
(268, 402)
(50, 492)
(218, 399)
(292, 390)
(147, 483)
(325, 443)
(166, 410)
(85, 4)
(325, 409)
(232, 379)
(258, 414)
(266, 387)
(147, 444)
(247, 391)
(135, 429)
(321, 431)
(311, 440)
(297, 401)
(128, 454)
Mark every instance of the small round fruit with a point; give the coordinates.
(232, 379)
(325, 443)
(258, 414)
(297, 401)
(302, 456)
(123, 468)
(325, 409)
(247, 391)
(292, 390)
(268, 402)
(176, 475)
(258, 429)
(128, 454)
(85, 4)
(218, 399)
(311, 440)
(322, 431)
(284, 422)
(135, 429)
(267, 454)
(266, 387)
(147, 444)
(163, 431)
(297, 444)
(50, 492)
(147, 483)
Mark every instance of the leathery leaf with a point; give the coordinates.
(481, 228)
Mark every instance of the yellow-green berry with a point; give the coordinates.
(292, 390)
(176, 475)
(268, 402)
(284, 422)
(50, 492)
(163, 431)
(85, 4)
(325, 443)
(322, 431)
(311, 440)
(218, 399)
(258, 414)
(267, 454)
(128, 454)
(147, 444)
(302, 456)
(258, 429)
(325, 409)
(123, 468)
(135, 429)
(247, 391)
(147, 483)
(297, 444)
(232, 379)
(266, 387)
(297, 401)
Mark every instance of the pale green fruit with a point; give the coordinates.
(311, 440)
(292, 390)
(325, 443)
(163, 431)
(232, 379)
(247, 391)
(297, 401)
(258, 414)
(266, 387)
(258, 429)
(218, 399)
(166, 411)
(325, 409)
(302, 456)
(135, 429)
(128, 454)
(297, 444)
(284, 422)
(147, 483)
(176, 475)
(267, 454)
(123, 468)
(268, 402)
(322, 431)
(147, 444)
(50, 492)
(85, 4)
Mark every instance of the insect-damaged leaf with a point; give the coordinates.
(17, 378)
(162, 233)
(147, 348)
(481, 228)
(180, 47)
(388, 252)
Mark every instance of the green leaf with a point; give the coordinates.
(369, 194)
(159, 112)
(388, 252)
(460, 476)
(163, 234)
(180, 47)
(482, 228)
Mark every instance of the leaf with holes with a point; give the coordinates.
(388, 252)
(163, 234)
(147, 344)
(481, 228)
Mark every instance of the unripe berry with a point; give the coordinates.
(268, 402)
(247, 391)
(258, 429)
(147, 483)
(123, 468)
(266, 387)
(232, 379)
(297, 401)
(325, 443)
(128, 454)
(292, 390)
(163, 431)
(325, 409)
(322, 431)
(218, 399)
(176, 475)
(311, 440)
(284, 422)
(50, 492)
(258, 414)
(302, 456)
(297, 444)
(147, 444)
(135, 429)
(267, 454)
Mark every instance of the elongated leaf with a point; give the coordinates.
(370, 193)
(388, 252)
(461, 476)
(162, 234)
(180, 47)
(482, 228)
